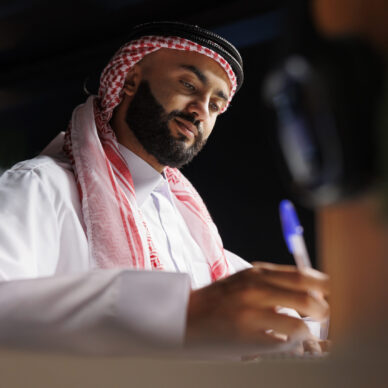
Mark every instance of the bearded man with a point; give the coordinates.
(107, 248)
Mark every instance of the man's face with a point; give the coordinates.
(151, 125)
(176, 104)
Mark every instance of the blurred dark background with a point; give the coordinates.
(50, 50)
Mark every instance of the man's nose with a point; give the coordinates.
(200, 109)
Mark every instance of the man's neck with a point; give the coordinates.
(132, 143)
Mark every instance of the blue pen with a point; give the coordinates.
(293, 234)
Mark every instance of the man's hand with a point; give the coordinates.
(242, 310)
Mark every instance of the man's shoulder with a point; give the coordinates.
(42, 166)
(52, 162)
(51, 176)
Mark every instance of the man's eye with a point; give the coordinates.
(214, 107)
(188, 85)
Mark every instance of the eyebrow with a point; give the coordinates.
(202, 77)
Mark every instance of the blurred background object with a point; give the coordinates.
(325, 92)
(329, 92)
(353, 234)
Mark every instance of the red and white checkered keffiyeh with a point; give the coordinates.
(117, 233)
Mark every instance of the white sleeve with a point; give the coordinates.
(98, 312)
(29, 237)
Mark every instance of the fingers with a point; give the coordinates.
(312, 346)
(269, 285)
(293, 278)
(259, 325)
(325, 345)
(267, 296)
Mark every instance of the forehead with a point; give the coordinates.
(164, 59)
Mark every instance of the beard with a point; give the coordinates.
(148, 120)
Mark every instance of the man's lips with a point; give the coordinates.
(187, 128)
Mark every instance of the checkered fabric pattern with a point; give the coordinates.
(117, 233)
(113, 76)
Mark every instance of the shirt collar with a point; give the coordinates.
(145, 178)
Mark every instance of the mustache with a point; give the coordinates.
(186, 116)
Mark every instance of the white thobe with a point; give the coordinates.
(50, 296)
(177, 249)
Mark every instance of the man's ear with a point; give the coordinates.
(132, 81)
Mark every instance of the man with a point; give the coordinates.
(112, 249)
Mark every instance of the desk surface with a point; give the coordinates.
(29, 369)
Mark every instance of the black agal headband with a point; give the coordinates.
(195, 34)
